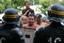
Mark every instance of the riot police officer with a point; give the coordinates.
(54, 33)
(10, 29)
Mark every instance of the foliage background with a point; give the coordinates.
(4, 4)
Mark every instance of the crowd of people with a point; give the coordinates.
(30, 20)
(36, 29)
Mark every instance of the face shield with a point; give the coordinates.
(61, 20)
(57, 16)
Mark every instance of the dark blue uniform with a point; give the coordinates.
(54, 33)
(8, 34)
(10, 31)
(51, 34)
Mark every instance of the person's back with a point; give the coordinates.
(7, 35)
(54, 33)
(10, 29)
(50, 34)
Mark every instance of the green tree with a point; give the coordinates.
(46, 3)
(4, 4)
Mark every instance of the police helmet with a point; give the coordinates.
(10, 14)
(56, 12)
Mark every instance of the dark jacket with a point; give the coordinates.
(12, 33)
(54, 33)
(30, 11)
